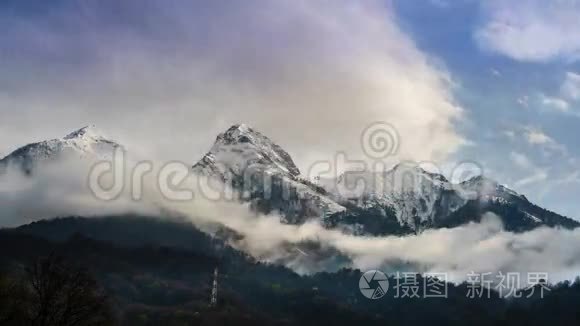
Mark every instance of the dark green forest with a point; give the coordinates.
(145, 271)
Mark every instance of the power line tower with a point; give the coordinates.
(218, 248)
(214, 289)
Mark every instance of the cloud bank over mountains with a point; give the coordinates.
(60, 190)
(531, 30)
(171, 73)
(162, 76)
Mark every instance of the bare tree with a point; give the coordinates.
(65, 295)
(11, 300)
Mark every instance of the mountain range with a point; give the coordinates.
(405, 199)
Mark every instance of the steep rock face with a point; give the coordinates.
(515, 210)
(86, 142)
(417, 200)
(483, 189)
(403, 200)
(264, 174)
(240, 148)
(415, 197)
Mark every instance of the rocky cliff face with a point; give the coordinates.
(264, 174)
(405, 199)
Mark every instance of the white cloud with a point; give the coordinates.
(509, 134)
(539, 176)
(571, 86)
(555, 103)
(521, 160)
(571, 177)
(537, 137)
(484, 247)
(564, 102)
(524, 101)
(533, 173)
(309, 74)
(531, 30)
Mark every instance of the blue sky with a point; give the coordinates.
(524, 128)
(495, 82)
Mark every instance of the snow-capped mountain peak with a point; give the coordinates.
(407, 168)
(485, 188)
(419, 199)
(86, 142)
(89, 132)
(265, 173)
(415, 195)
(406, 198)
(240, 147)
(402, 178)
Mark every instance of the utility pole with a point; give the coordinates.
(214, 289)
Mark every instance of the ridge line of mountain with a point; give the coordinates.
(252, 163)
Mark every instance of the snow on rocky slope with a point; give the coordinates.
(264, 174)
(416, 196)
(420, 199)
(404, 199)
(407, 197)
(86, 142)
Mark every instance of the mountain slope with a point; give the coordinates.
(515, 210)
(264, 174)
(415, 197)
(405, 199)
(419, 200)
(86, 142)
(240, 147)
(154, 280)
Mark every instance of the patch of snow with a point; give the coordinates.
(86, 142)
(533, 218)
